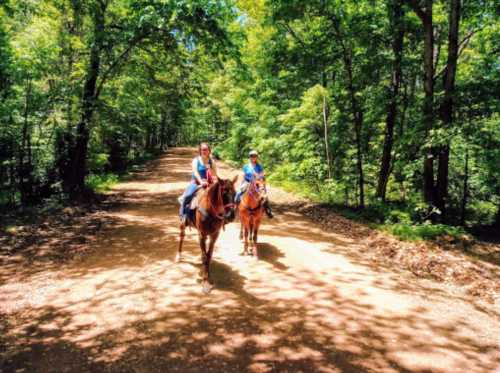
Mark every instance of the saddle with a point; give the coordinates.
(193, 206)
(195, 201)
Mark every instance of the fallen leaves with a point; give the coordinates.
(465, 262)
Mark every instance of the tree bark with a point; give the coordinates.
(497, 218)
(24, 162)
(356, 110)
(465, 193)
(79, 160)
(425, 15)
(397, 49)
(446, 109)
(327, 147)
(428, 101)
(358, 124)
(163, 130)
(359, 156)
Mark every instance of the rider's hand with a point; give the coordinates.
(204, 183)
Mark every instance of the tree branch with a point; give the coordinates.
(117, 61)
(421, 13)
(292, 32)
(462, 46)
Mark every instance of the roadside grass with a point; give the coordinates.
(398, 219)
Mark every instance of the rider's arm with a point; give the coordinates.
(194, 166)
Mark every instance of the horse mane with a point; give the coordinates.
(252, 197)
(214, 197)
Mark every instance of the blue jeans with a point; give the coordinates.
(239, 192)
(187, 197)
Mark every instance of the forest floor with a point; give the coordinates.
(96, 289)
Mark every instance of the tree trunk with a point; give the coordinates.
(163, 124)
(79, 163)
(24, 162)
(425, 15)
(148, 139)
(358, 124)
(465, 192)
(397, 49)
(356, 110)
(497, 219)
(428, 101)
(359, 156)
(327, 147)
(446, 109)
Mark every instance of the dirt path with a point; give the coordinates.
(312, 302)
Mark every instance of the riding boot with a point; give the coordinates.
(267, 209)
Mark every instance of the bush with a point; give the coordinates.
(97, 162)
(398, 216)
(101, 183)
(419, 232)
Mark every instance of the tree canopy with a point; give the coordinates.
(391, 106)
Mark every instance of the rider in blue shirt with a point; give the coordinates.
(204, 172)
(253, 169)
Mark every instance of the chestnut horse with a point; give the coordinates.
(250, 210)
(215, 209)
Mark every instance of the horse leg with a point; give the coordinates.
(245, 240)
(202, 240)
(254, 240)
(211, 245)
(205, 264)
(250, 229)
(182, 234)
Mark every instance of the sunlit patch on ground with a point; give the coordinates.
(310, 302)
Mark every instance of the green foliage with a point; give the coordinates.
(306, 83)
(419, 232)
(101, 182)
(98, 162)
(136, 63)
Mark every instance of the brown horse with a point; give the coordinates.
(215, 209)
(250, 210)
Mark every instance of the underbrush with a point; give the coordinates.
(101, 183)
(407, 221)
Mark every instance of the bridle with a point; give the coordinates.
(252, 191)
(226, 206)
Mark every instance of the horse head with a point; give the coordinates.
(222, 200)
(228, 193)
(257, 190)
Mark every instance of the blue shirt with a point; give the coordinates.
(249, 171)
(202, 169)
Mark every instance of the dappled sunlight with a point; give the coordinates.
(310, 302)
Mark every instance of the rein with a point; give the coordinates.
(211, 209)
(251, 193)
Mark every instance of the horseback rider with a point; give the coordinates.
(204, 173)
(253, 170)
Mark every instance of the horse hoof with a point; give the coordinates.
(178, 258)
(207, 287)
